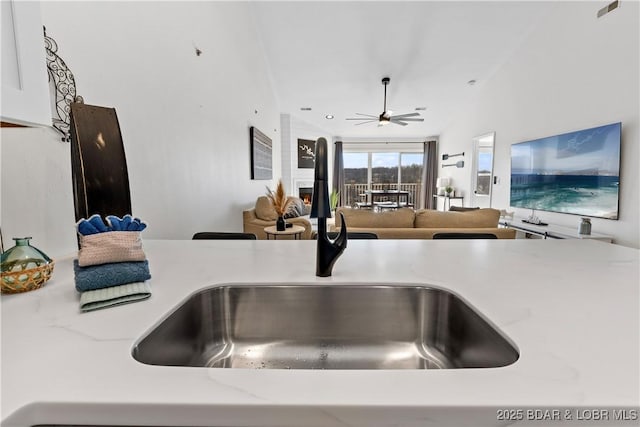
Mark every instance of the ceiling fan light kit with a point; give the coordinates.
(387, 115)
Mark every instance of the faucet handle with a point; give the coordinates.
(341, 240)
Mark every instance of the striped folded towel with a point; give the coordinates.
(108, 275)
(115, 295)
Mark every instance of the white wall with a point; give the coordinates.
(37, 198)
(573, 72)
(184, 118)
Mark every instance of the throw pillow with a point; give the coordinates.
(296, 209)
(265, 210)
(363, 218)
(479, 218)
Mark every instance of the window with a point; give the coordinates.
(384, 171)
(482, 170)
(411, 176)
(382, 167)
(483, 177)
(356, 177)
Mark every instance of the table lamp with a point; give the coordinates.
(441, 183)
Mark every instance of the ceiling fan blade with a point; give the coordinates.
(367, 115)
(398, 122)
(362, 118)
(403, 119)
(364, 123)
(405, 115)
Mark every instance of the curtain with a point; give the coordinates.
(338, 171)
(429, 173)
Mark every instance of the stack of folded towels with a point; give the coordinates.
(111, 267)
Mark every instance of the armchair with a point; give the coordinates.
(263, 215)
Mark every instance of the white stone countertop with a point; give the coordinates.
(572, 307)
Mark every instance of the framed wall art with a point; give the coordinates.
(261, 154)
(306, 154)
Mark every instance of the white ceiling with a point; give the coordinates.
(332, 56)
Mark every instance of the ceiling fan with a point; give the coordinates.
(387, 115)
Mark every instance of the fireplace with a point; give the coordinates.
(305, 194)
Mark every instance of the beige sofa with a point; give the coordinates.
(263, 215)
(406, 223)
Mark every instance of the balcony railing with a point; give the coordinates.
(352, 194)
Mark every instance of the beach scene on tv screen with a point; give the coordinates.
(576, 173)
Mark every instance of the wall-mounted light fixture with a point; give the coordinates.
(458, 164)
(446, 156)
(441, 184)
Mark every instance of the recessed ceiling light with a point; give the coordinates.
(305, 108)
(329, 116)
(471, 82)
(421, 108)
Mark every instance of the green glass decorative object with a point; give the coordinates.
(24, 267)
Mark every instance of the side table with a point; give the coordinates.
(446, 204)
(295, 231)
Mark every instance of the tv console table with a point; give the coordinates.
(551, 231)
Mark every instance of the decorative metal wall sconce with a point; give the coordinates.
(458, 164)
(447, 156)
(63, 88)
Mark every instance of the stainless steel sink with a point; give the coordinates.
(307, 326)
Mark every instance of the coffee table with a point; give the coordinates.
(295, 231)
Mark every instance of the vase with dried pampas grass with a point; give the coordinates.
(281, 204)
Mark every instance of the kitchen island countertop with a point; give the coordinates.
(571, 307)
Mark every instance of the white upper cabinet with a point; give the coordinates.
(25, 89)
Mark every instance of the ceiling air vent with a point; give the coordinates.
(612, 6)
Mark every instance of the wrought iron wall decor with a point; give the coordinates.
(63, 87)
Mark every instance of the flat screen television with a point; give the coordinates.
(575, 173)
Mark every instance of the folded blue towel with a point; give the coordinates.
(126, 223)
(106, 275)
(95, 225)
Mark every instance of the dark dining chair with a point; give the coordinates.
(356, 235)
(98, 163)
(438, 236)
(221, 235)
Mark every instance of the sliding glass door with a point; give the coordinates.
(384, 171)
(381, 169)
(411, 176)
(356, 178)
